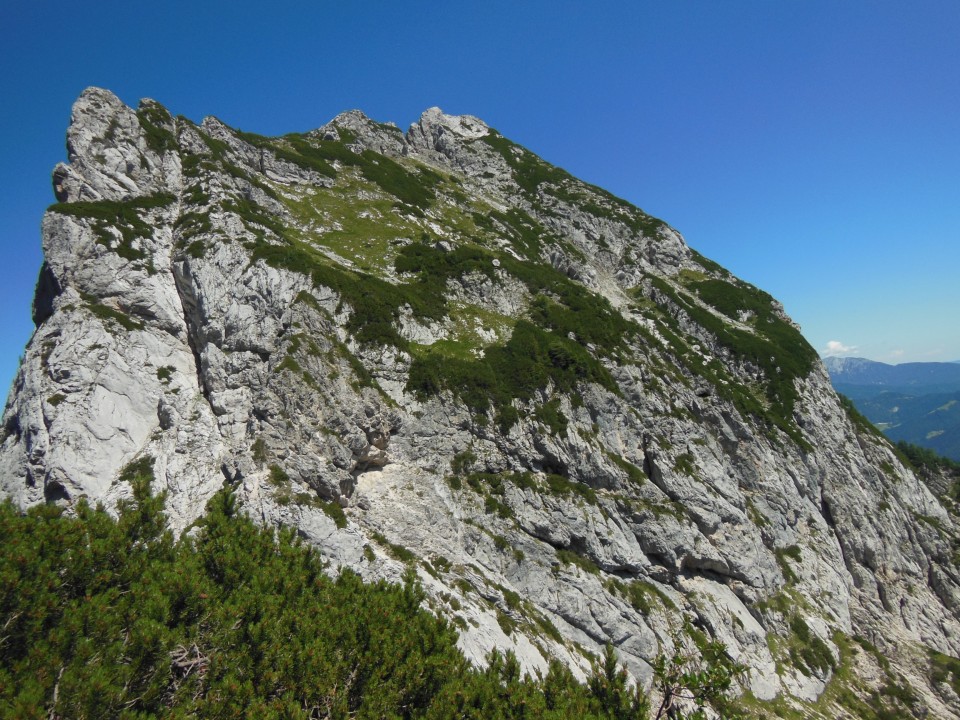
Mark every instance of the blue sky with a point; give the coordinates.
(811, 147)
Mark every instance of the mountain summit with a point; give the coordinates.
(434, 349)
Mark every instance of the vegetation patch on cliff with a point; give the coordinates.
(772, 345)
(118, 225)
(108, 617)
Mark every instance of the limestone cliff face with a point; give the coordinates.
(578, 429)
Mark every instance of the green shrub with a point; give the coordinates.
(516, 370)
(123, 216)
(684, 464)
(559, 485)
(551, 416)
(857, 418)
(259, 450)
(569, 557)
(397, 552)
(634, 474)
(107, 617)
(640, 594)
(809, 652)
(782, 555)
(334, 511)
(107, 313)
(944, 669)
(154, 121)
(922, 458)
(278, 477)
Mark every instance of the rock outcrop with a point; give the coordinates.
(576, 428)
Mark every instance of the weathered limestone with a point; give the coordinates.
(672, 506)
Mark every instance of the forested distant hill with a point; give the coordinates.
(915, 402)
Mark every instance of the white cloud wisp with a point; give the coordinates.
(835, 347)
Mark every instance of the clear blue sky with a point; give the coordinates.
(810, 146)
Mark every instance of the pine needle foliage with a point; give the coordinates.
(115, 618)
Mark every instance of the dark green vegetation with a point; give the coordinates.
(569, 335)
(108, 618)
(413, 190)
(568, 332)
(809, 652)
(771, 344)
(783, 556)
(156, 122)
(568, 328)
(550, 349)
(890, 698)
(534, 176)
(945, 669)
(941, 474)
(124, 217)
(702, 681)
(643, 596)
(530, 360)
(925, 459)
(857, 418)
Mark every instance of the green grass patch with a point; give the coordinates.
(138, 471)
(641, 595)
(397, 552)
(530, 361)
(562, 487)
(550, 415)
(490, 486)
(259, 450)
(569, 557)
(111, 315)
(634, 474)
(278, 477)
(684, 464)
(334, 511)
(807, 651)
(858, 419)
(944, 669)
(414, 188)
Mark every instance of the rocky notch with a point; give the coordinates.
(434, 348)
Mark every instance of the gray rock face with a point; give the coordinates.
(306, 318)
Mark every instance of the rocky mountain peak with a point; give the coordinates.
(437, 350)
(434, 121)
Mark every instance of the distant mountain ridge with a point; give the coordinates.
(915, 402)
(941, 377)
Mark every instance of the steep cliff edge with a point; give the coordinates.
(435, 348)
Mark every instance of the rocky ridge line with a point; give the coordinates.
(289, 314)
